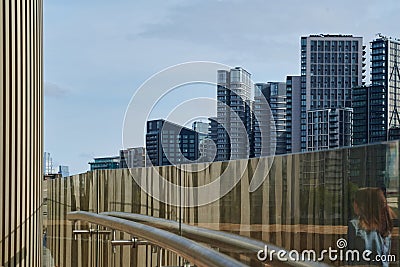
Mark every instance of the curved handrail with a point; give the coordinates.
(217, 238)
(188, 249)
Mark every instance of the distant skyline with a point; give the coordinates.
(97, 53)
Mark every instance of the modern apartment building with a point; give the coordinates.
(213, 129)
(277, 103)
(329, 128)
(104, 163)
(200, 127)
(269, 129)
(213, 139)
(168, 143)
(233, 114)
(132, 157)
(376, 107)
(207, 147)
(261, 124)
(21, 134)
(48, 167)
(63, 170)
(331, 65)
(293, 100)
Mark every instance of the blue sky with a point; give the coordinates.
(97, 53)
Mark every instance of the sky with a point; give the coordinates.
(97, 53)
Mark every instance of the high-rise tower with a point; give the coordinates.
(330, 66)
(233, 114)
(377, 106)
(293, 89)
(269, 132)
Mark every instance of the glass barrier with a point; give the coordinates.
(305, 204)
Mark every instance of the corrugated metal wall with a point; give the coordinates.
(21, 130)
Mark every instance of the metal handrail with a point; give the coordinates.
(233, 242)
(193, 252)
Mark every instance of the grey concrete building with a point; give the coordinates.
(168, 143)
(329, 128)
(293, 111)
(269, 136)
(331, 65)
(133, 157)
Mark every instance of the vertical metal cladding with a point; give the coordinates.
(21, 109)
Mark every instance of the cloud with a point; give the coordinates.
(87, 155)
(54, 90)
(108, 48)
(253, 27)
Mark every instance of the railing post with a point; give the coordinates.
(159, 259)
(197, 254)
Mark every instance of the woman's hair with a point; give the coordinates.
(373, 210)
